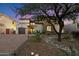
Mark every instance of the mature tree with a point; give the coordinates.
(60, 12)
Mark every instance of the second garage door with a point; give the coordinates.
(21, 30)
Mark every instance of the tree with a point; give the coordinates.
(59, 12)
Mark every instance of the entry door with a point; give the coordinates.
(7, 31)
(21, 30)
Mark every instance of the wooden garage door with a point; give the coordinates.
(21, 30)
(7, 31)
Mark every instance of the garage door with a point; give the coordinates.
(21, 30)
(7, 31)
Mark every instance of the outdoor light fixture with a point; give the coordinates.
(32, 23)
(32, 53)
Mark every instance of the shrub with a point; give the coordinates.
(37, 36)
(71, 51)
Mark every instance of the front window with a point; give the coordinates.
(48, 28)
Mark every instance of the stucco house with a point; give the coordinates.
(7, 24)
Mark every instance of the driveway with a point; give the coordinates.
(9, 43)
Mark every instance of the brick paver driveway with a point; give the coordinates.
(9, 43)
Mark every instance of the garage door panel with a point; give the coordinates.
(21, 30)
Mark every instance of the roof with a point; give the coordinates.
(1, 14)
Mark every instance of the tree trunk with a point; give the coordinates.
(61, 25)
(60, 36)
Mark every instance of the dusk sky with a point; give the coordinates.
(4, 8)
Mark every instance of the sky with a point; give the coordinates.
(4, 8)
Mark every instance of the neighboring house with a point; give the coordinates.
(7, 24)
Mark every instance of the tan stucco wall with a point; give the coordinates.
(7, 23)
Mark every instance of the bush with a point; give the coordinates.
(37, 36)
(71, 51)
(75, 34)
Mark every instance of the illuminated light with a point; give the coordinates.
(28, 21)
(32, 23)
(32, 53)
(30, 30)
